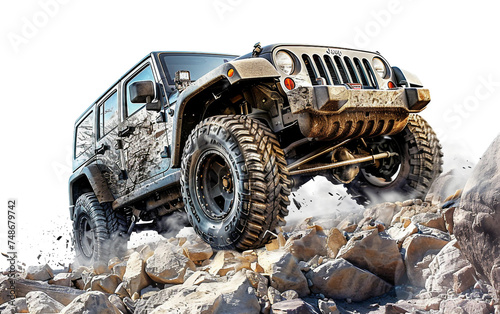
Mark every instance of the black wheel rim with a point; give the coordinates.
(389, 168)
(215, 188)
(86, 237)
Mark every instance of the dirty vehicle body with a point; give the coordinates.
(225, 139)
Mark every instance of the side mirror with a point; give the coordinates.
(144, 92)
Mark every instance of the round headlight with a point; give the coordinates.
(379, 67)
(285, 63)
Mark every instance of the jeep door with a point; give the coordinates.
(143, 132)
(108, 149)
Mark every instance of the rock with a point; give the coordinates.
(448, 218)
(339, 279)
(17, 305)
(295, 306)
(118, 303)
(147, 306)
(121, 291)
(5, 288)
(334, 242)
(433, 232)
(430, 220)
(234, 296)
(446, 184)
(468, 306)
(105, 283)
(226, 261)
(39, 302)
(407, 212)
(419, 250)
(135, 277)
(382, 212)
(290, 295)
(62, 294)
(375, 252)
(448, 261)
(147, 250)
(415, 305)
(62, 279)
(168, 264)
(274, 295)
(399, 232)
(259, 282)
(328, 307)
(284, 272)
(308, 243)
(42, 272)
(91, 302)
(112, 262)
(150, 291)
(477, 219)
(120, 269)
(200, 277)
(197, 250)
(464, 279)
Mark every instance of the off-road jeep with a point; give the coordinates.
(225, 139)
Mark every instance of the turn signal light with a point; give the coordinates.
(289, 83)
(230, 73)
(391, 85)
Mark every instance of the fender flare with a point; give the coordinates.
(217, 80)
(93, 176)
(403, 75)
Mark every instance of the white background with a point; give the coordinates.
(57, 57)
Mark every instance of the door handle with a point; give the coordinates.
(101, 149)
(126, 131)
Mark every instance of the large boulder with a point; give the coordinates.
(106, 283)
(447, 262)
(334, 242)
(197, 250)
(446, 184)
(295, 306)
(339, 279)
(477, 219)
(42, 272)
(234, 296)
(419, 251)
(135, 278)
(376, 252)
(39, 302)
(284, 271)
(168, 264)
(91, 302)
(306, 244)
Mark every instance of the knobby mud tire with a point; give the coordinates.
(99, 224)
(421, 164)
(260, 182)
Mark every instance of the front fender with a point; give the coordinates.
(91, 176)
(215, 81)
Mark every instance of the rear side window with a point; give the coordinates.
(108, 115)
(84, 135)
(145, 75)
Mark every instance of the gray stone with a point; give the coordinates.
(339, 279)
(295, 306)
(91, 302)
(39, 302)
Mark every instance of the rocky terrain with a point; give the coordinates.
(438, 255)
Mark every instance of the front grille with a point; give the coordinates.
(339, 70)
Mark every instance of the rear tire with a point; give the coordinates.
(234, 182)
(419, 164)
(96, 230)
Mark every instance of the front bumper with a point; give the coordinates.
(336, 113)
(327, 99)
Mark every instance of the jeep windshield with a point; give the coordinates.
(198, 64)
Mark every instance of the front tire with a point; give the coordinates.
(408, 175)
(234, 182)
(96, 230)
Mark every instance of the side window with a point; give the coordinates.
(108, 115)
(84, 135)
(145, 75)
